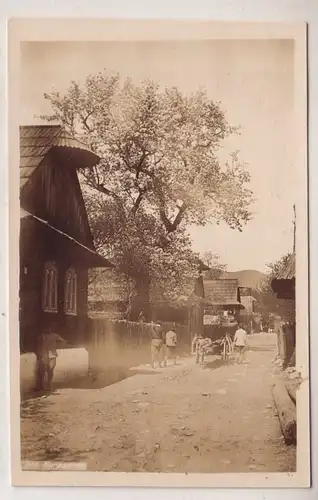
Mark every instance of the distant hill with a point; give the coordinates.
(249, 278)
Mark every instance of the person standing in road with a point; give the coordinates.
(202, 346)
(46, 354)
(171, 347)
(240, 343)
(196, 337)
(157, 345)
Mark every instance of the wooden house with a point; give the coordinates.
(56, 244)
(246, 299)
(222, 295)
(221, 306)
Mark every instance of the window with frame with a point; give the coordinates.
(50, 287)
(70, 299)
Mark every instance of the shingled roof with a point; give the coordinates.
(37, 140)
(221, 292)
(289, 270)
(284, 285)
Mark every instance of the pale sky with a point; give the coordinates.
(254, 82)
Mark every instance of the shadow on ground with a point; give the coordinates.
(34, 396)
(98, 381)
(217, 363)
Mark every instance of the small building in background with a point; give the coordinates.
(222, 296)
(222, 305)
(251, 321)
(247, 300)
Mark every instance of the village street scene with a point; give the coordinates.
(158, 257)
(177, 419)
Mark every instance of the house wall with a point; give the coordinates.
(53, 194)
(36, 247)
(196, 320)
(248, 303)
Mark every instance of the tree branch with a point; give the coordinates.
(137, 202)
(102, 188)
(172, 226)
(165, 220)
(179, 216)
(139, 164)
(84, 120)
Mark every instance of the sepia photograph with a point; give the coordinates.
(160, 228)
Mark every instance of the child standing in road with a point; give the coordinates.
(171, 347)
(157, 345)
(194, 342)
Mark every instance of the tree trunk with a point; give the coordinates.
(286, 410)
(140, 300)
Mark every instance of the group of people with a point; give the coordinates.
(201, 344)
(163, 349)
(163, 346)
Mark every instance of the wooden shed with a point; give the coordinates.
(56, 244)
(284, 285)
(222, 295)
(221, 306)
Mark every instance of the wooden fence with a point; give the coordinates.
(286, 342)
(120, 343)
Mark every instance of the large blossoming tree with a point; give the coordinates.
(159, 172)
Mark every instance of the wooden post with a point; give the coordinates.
(294, 224)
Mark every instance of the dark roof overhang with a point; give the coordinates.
(80, 252)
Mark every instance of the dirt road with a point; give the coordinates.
(183, 418)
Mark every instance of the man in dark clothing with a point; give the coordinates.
(157, 345)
